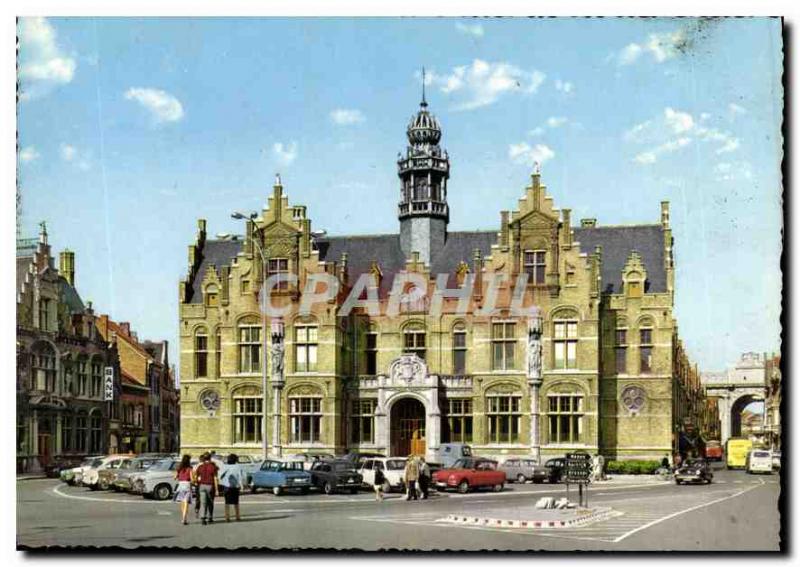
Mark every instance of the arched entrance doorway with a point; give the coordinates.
(739, 410)
(407, 429)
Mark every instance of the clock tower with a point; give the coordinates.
(423, 172)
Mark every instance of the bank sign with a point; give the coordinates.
(108, 384)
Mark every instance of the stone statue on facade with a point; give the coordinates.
(535, 347)
(277, 352)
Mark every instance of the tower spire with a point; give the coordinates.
(423, 104)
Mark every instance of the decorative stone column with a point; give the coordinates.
(277, 353)
(433, 422)
(534, 353)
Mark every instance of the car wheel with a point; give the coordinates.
(463, 487)
(354, 491)
(254, 489)
(162, 492)
(678, 481)
(276, 490)
(304, 490)
(498, 487)
(327, 488)
(93, 486)
(103, 485)
(521, 478)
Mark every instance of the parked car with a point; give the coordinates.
(469, 473)
(248, 463)
(776, 461)
(713, 451)
(759, 461)
(91, 476)
(694, 470)
(555, 468)
(281, 476)
(308, 459)
(448, 453)
(107, 476)
(335, 475)
(158, 481)
(74, 476)
(60, 464)
(356, 458)
(128, 469)
(522, 470)
(392, 467)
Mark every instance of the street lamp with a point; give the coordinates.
(252, 216)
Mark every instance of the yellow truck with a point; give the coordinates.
(736, 451)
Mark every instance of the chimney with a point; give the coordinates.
(665, 214)
(125, 327)
(66, 266)
(588, 223)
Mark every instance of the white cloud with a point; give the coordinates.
(475, 30)
(347, 116)
(42, 63)
(564, 86)
(28, 154)
(76, 157)
(673, 130)
(67, 152)
(525, 154)
(678, 121)
(285, 153)
(482, 83)
(556, 121)
(660, 46)
(163, 107)
(725, 171)
(538, 131)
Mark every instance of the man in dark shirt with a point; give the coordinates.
(207, 486)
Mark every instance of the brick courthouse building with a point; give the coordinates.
(406, 382)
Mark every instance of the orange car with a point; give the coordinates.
(713, 451)
(469, 473)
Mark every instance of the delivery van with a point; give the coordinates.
(736, 450)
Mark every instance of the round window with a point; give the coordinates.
(210, 400)
(633, 398)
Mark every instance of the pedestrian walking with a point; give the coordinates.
(378, 481)
(424, 477)
(208, 486)
(410, 475)
(184, 492)
(232, 480)
(196, 490)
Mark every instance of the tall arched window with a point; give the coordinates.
(504, 417)
(565, 417)
(218, 352)
(247, 415)
(97, 378)
(201, 353)
(96, 433)
(646, 346)
(459, 349)
(305, 348)
(565, 342)
(67, 432)
(414, 340)
(249, 335)
(83, 376)
(81, 432)
(44, 360)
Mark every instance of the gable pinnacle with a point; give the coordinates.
(423, 104)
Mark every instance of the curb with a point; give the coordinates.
(599, 514)
(32, 477)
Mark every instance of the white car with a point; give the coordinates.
(74, 476)
(776, 461)
(759, 461)
(392, 467)
(91, 474)
(308, 459)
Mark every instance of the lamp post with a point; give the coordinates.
(264, 448)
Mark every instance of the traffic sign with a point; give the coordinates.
(579, 468)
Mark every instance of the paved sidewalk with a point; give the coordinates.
(630, 479)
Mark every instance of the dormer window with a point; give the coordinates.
(277, 266)
(212, 296)
(534, 266)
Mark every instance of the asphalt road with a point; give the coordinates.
(736, 512)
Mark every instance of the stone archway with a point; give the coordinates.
(737, 407)
(407, 428)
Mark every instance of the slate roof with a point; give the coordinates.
(70, 296)
(385, 249)
(23, 264)
(217, 253)
(617, 243)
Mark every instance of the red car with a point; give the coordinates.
(713, 451)
(469, 473)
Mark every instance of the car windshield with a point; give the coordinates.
(462, 464)
(466, 451)
(126, 464)
(760, 454)
(693, 463)
(96, 463)
(342, 466)
(162, 465)
(395, 465)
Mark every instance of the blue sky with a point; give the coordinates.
(131, 129)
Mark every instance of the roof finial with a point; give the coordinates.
(423, 104)
(537, 168)
(277, 179)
